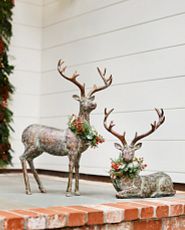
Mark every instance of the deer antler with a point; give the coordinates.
(111, 125)
(107, 82)
(73, 78)
(154, 126)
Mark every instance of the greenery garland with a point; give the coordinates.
(85, 131)
(6, 89)
(120, 167)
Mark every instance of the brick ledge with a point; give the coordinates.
(156, 214)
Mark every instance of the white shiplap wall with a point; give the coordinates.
(142, 43)
(26, 51)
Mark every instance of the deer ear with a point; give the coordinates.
(92, 98)
(76, 97)
(138, 146)
(118, 146)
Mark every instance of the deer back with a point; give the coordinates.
(50, 140)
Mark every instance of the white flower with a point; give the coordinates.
(135, 164)
(130, 165)
(122, 166)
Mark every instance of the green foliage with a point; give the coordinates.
(6, 88)
(84, 130)
(120, 167)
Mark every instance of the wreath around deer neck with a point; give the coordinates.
(84, 130)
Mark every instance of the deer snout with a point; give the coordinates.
(128, 156)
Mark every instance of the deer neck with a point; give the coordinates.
(84, 115)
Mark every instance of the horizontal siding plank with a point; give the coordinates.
(143, 11)
(32, 2)
(162, 64)
(27, 37)
(19, 124)
(167, 93)
(121, 43)
(28, 14)
(63, 10)
(25, 105)
(142, 96)
(26, 59)
(26, 82)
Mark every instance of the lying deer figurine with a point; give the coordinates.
(39, 138)
(154, 185)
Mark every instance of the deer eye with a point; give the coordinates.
(92, 98)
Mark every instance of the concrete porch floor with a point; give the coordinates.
(12, 195)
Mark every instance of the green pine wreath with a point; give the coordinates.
(6, 89)
(85, 131)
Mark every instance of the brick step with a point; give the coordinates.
(153, 214)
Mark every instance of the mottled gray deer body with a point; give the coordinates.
(39, 138)
(153, 185)
(54, 141)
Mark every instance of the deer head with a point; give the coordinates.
(128, 150)
(86, 101)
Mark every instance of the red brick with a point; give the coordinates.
(95, 216)
(75, 217)
(181, 201)
(176, 209)
(148, 225)
(147, 211)
(174, 223)
(162, 210)
(12, 221)
(130, 213)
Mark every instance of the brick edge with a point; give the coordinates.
(138, 214)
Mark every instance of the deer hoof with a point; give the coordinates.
(121, 195)
(77, 193)
(42, 190)
(68, 194)
(28, 193)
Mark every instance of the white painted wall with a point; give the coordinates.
(26, 51)
(142, 43)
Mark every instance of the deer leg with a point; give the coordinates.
(130, 193)
(77, 177)
(35, 174)
(70, 177)
(77, 193)
(25, 176)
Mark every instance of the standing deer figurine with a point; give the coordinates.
(39, 138)
(125, 172)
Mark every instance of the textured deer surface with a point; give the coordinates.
(39, 138)
(154, 185)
